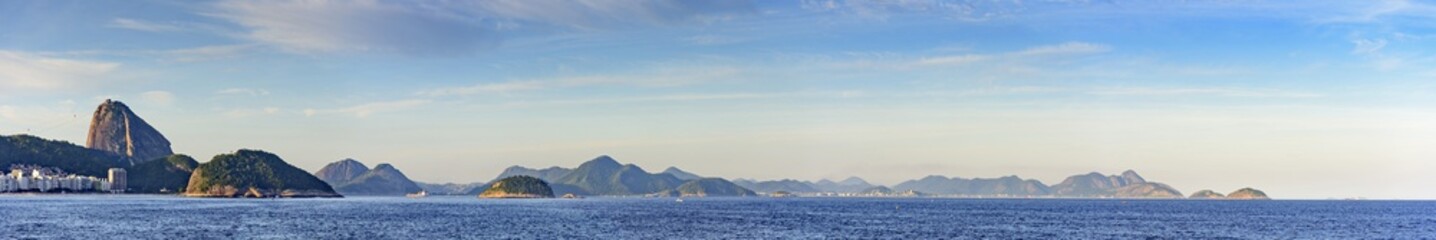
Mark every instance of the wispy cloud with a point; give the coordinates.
(367, 109)
(21, 70)
(443, 27)
(961, 59)
(243, 91)
(140, 25)
(207, 53)
(1024, 55)
(1068, 48)
(663, 78)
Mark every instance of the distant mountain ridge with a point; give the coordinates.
(351, 177)
(681, 175)
(604, 176)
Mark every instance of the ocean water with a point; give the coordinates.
(166, 217)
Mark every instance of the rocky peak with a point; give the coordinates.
(342, 171)
(1131, 177)
(602, 161)
(114, 128)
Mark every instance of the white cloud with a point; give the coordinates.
(445, 27)
(367, 109)
(1068, 48)
(23, 70)
(662, 78)
(243, 91)
(140, 25)
(952, 60)
(711, 40)
(357, 26)
(1368, 46)
(162, 98)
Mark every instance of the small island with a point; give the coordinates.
(522, 186)
(1248, 194)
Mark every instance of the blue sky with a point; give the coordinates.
(1310, 99)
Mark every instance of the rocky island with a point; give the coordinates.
(254, 174)
(1248, 194)
(1207, 194)
(518, 187)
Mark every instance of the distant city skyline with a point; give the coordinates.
(1310, 99)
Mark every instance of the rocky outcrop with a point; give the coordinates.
(116, 129)
(518, 187)
(340, 172)
(254, 173)
(1248, 194)
(1207, 194)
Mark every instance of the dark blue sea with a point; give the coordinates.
(167, 217)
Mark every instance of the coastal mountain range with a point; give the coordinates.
(118, 138)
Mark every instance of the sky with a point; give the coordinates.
(1302, 99)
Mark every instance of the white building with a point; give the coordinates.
(34, 179)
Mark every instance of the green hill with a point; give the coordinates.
(254, 173)
(170, 174)
(518, 187)
(31, 150)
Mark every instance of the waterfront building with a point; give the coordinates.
(118, 180)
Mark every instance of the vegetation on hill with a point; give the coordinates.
(604, 176)
(254, 172)
(518, 187)
(32, 150)
(1248, 193)
(170, 174)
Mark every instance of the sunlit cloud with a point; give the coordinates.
(21, 70)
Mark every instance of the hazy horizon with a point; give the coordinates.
(1311, 99)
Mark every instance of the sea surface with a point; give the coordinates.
(168, 217)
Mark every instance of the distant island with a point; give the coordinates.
(518, 187)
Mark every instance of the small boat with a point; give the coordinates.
(680, 200)
(420, 194)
